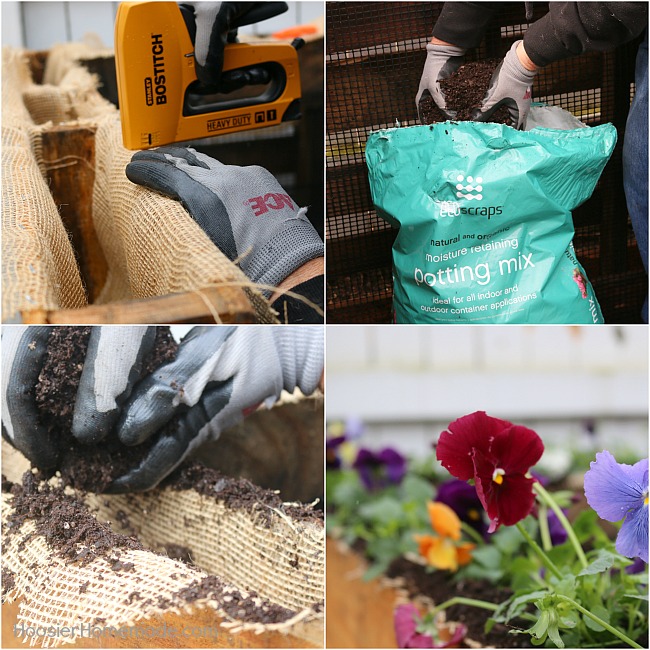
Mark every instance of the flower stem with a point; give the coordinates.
(471, 532)
(600, 621)
(550, 501)
(461, 600)
(536, 547)
(544, 531)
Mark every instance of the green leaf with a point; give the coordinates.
(554, 635)
(374, 571)
(518, 604)
(385, 510)
(638, 596)
(603, 562)
(508, 540)
(417, 489)
(602, 613)
(586, 528)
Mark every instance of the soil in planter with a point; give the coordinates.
(418, 582)
(238, 494)
(73, 533)
(464, 91)
(66, 523)
(90, 468)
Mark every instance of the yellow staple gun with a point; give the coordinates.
(161, 100)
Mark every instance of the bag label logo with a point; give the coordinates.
(473, 184)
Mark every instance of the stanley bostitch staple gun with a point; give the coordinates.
(161, 100)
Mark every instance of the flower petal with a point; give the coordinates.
(613, 489)
(517, 449)
(474, 431)
(444, 520)
(507, 503)
(405, 619)
(464, 553)
(632, 540)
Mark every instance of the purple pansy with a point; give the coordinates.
(617, 491)
(406, 619)
(380, 469)
(556, 529)
(333, 461)
(461, 497)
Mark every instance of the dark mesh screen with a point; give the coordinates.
(375, 53)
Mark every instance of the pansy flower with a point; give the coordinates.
(461, 497)
(444, 550)
(406, 619)
(380, 469)
(339, 439)
(617, 491)
(497, 455)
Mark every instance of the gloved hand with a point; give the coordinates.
(442, 61)
(112, 365)
(244, 210)
(511, 85)
(216, 25)
(219, 375)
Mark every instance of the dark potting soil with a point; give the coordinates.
(237, 493)
(417, 581)
(90, 468)
(247, 607)
(73, 533)
(66, 523)
(8, 580)
(178, 552)
(464, 91)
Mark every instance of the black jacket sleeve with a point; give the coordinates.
(571, 28)
(463, 23)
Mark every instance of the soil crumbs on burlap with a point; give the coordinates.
(464, 91)
(90, 468)
(419, 582)
(74, 534)
(238, 494)
(66, 524)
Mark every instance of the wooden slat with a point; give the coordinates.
(156, 632)
(229, 304)
(359, 613)
(68, 157)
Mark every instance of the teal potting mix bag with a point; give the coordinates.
(484, 217)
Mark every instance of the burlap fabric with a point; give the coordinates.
(39, 270)
(151, 245)
(267, 551)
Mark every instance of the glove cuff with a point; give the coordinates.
(517, 70)
(295, 243)
(446, 51)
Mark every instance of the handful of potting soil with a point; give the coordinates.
(484, 218)
(87, 467)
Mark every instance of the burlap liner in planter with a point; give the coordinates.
(149, 245)
(266, 550)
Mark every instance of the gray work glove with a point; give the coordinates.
(220, 374)
(216, 25)
(112, 365)
(441, 62)
(244, 210)
(511, 86)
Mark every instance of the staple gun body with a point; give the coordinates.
(161, 100)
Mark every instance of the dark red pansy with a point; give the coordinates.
(498, 456)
